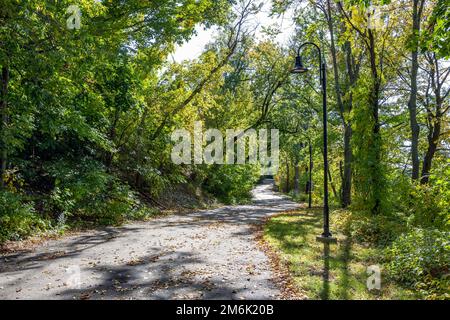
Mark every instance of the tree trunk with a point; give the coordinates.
(330, 179)
(308, 188)
(297, 180)
(433, 141)
(287, 177)
(435, 117)
(412, 104)
(374, 147)
(347, 174)
(347, 171)
(373, 143)
(4, 123)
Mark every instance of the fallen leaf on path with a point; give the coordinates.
(85, 296)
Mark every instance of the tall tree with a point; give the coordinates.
(417, 11)
(437, 106)
(374, 42)
(345, 104)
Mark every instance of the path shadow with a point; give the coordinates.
(158, 276)
(165, 277)
(67, 248)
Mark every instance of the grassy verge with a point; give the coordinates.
(327, 272)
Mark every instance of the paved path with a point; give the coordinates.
(209, 254)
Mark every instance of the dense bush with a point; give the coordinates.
(429, 207)
(84, 191)
(420, 259)
(18, 218)
(232, 183)
(364, 227)
(424, 206)
(417, 258)
(300, 197)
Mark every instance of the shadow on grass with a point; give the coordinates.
(325, 293)
(323, 268)
(345, 258)
(288, 233)
(341, 262)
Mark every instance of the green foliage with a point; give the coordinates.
(371, 90)
(363, 227)
(84, 191)
(86, 115)
(75, 116)
(301, 197)
(436, 37)
(429, 207)
(18, 218)
(420, 259)
(231, 183)
(424, 206)
(369, 167)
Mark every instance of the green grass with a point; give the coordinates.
(327, 272)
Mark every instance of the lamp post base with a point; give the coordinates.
(329, 239)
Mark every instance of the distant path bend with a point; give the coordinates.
(210, 254)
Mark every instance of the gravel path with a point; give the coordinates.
(209, 254)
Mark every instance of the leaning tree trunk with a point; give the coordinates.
(433, 141)
(434, 118)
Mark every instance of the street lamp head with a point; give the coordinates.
(299, 67)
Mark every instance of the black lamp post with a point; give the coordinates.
(300, 68)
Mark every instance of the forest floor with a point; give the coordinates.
(209, 254)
